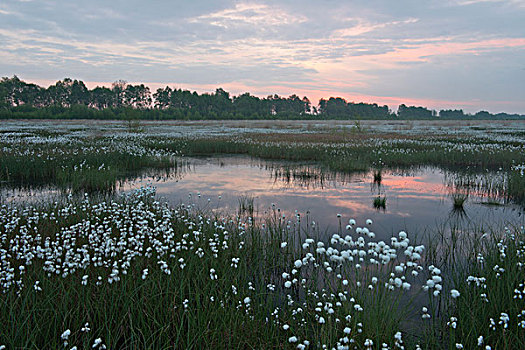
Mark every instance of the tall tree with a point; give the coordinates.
(451, 114)
(118, 87)
(137, 96)
(79, 93)
(413, 112)
(102, 97)
(162, 97)
(18, 92)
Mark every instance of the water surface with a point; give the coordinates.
(416, 200)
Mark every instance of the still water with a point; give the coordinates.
(416, 200)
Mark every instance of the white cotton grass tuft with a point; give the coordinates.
(66, 334)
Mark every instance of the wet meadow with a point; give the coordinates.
(262, 234)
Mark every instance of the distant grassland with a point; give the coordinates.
(348, 152)
(94, 160)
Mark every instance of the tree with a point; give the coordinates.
(118, 87)
(452, 114)
(67, 93)
(413, 112)
(249, 105)
(17, 92)
(334, 106)
(70, 98)
(101, 98)
(3, 96)
(79, 93)
(137, 96)
(483, 115)
(221, 101)
(307, 105)
(162, 97)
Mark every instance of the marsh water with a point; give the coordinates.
(416, 199)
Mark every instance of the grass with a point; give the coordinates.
(160, 277)
(246, 205)
(458, 200)
(351, 154)
(91, 168)
(492, 203)
(486, 266)
(132, 312)
(379, 202)
(495, 287)
(516, 186)
(378, 177)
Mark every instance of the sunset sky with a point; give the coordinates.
(441, 54)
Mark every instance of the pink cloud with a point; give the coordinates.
(422, 52)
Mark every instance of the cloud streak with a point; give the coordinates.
(249, 14)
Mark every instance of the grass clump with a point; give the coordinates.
(379, 202)
(458, 200)
(516, 184)
(491, 309)
(85, 165)
(246, 205)
(40, 156)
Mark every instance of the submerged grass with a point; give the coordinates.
(366, 152)
(246, 205)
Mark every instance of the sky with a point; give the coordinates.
(467, 54)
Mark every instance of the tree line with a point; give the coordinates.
(71, 99)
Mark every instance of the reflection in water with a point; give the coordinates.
(44, 192)
(490, 187)
(379, 202)
(309, 177)
(407, 200)
(458, 215)
(378, 177)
